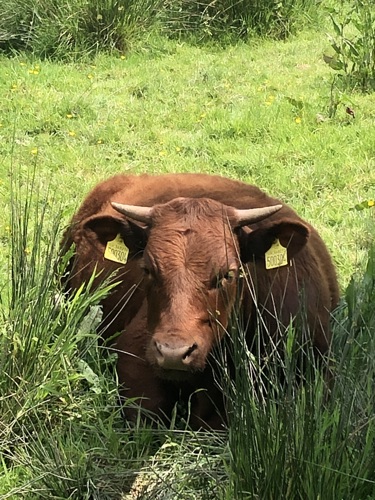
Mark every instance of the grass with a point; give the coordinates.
(80, 29)
(77, 29)
(258, 112)
(288, 443)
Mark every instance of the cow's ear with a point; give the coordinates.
(107, 227)
(255, 242)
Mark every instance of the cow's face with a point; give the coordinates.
(191, 264)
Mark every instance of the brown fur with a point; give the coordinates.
(182, 279)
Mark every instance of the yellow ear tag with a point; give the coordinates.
(276, 256)
(116, 250)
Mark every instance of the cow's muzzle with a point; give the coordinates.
(175, 357)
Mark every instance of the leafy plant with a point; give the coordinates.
(353, 44)
(365, 204)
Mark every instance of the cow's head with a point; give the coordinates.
(192, 258)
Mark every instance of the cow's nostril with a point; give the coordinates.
(189, 351)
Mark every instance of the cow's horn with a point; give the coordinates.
(252, 215)
(141, 214)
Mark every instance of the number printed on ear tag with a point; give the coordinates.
(116, 250)
(276, 256)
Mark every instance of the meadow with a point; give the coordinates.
(265, 111)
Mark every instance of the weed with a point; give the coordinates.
(353, 45)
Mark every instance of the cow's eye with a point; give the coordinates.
(229, 276)
(147, 264)
(223, 279)
(146, 271)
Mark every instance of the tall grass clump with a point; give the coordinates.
(291, 433)
(226, 20)
(61, 434)
(353, 45)
(74, 29)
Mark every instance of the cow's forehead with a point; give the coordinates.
(191, 212)
(195, 233)
(188, 231)
(200, 250)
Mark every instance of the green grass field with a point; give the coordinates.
(260, 112)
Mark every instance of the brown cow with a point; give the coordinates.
(190, 236)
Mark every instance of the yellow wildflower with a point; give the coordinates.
(71, 133)
(34, 151)
(298, 119)
(269, 100)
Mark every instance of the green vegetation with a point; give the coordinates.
(353, 44)
(293, 441)
(81, 28)
(267, 112)
(74, 29)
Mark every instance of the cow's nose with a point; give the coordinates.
(174, 358)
